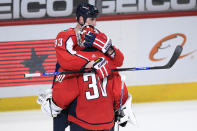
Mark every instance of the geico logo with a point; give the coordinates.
(121, 6)
(15, 9)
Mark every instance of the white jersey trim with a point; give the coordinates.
(69, 48)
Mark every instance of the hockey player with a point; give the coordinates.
(69, 55)
(81, 93)
(90, 99)
(67, 46)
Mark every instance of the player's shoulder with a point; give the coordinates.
(67, 33)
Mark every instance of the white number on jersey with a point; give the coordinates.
(58, 42)
(94, 86)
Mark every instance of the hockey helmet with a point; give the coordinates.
(86, 11)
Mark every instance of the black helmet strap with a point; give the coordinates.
(84, 20)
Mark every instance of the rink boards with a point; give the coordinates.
(144, 42)
(146, 93)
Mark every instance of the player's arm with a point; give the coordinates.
(103, 43)
(116, 55)
(67, 57)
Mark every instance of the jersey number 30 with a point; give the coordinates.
(94, 86)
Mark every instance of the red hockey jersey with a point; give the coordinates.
(91, 101)
(69, 54)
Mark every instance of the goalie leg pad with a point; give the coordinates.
(127, 114)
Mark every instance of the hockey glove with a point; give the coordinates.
(99, 41)
(47, 104)
(89, 39)
(101, 67)
(126, 114)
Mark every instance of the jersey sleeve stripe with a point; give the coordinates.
(99, 41)
(106, 71)
(97, 45)
(82, 57)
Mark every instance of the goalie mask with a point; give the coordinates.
(84, 31)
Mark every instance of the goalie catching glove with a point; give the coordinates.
(126, 113)
(47, 104)
(101, 67)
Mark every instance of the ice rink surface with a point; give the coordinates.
(163, 116)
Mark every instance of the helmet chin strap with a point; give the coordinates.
(81, 24)
(84, 21)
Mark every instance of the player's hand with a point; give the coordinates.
(101, 67)
(47, 104)
(99, 41)
(89, 39)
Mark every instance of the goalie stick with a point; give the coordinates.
(123, 78)
(171, 62)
